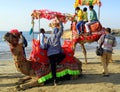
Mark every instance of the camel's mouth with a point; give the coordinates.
(11, 39)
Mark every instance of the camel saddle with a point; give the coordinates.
(94, 27)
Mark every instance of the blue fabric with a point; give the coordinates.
(53, 43)
(55, 31)
(31, 31)
(79, 26)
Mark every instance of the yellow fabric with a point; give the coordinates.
(80, 15)
(85, 16)
(86, 2)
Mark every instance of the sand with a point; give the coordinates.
(92, 80)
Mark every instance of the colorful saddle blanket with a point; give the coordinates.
(95, 27)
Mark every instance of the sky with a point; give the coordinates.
(16, 14)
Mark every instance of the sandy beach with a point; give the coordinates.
(92, 80)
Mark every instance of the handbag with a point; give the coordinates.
(99, 49)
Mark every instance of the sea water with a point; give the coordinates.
(6, 54)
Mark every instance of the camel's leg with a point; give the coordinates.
(74, 46)
(22, 80)
(84, 52)
(33, 83)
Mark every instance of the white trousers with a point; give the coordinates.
(87, 25)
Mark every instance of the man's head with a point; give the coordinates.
(108, 30)
(42, 30)
(91, 7)
(84, 9)
(77, 8)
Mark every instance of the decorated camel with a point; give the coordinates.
(96, 32)
(96, 29)
(37, 68)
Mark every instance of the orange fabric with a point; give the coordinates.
(96, 27)
(74, 28)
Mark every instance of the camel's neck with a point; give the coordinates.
(18, 53)
(21, 62)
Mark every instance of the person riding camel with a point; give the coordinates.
(79, 25)
(85, 15)
(93, 19)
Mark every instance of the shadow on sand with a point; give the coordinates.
(88, 78)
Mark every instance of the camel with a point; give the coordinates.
(96, 31)
(22, 64)
(37, 77)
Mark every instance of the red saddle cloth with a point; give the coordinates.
(38, 56)
(41, 65)
(68, 50)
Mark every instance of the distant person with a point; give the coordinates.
(108, 44)
(54, 49)
(42, 38)
(93, 19)
(24, 43)
(79, 25)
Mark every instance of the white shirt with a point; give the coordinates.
(41, 37)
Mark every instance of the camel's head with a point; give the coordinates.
(11, 38)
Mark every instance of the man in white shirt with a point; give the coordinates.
(41, 37)
(109, 41)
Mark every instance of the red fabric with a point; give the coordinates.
(94, 37)
(96, 30)
(15, 31)
(38, 56)
(47, 14)
(68, 50)
(40, 62)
